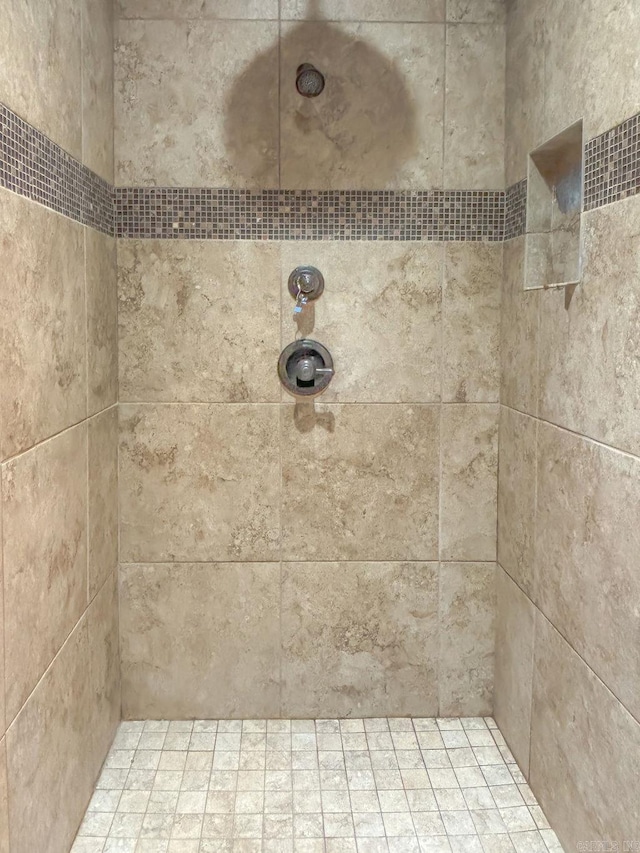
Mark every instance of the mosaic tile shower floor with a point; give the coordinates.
(305, 786)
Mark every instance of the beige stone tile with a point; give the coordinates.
(586, 554)
(360, 482)
(524, 85)
(590, 349)
(4, 804)
(378, 123)
(379, 316)
(40, 76)
(48, 747)
(176, 9)
(519, 334)
(199, 482)
(43, 346)
(97, 86)
(603, 93)
(102, 620)
(471, 322)
(2, 680)
(585, 748)
(103, 499)
(514, 667)
(517, 496)
(474, 107)
(359, 639)
(200, 639)
(44, 494)
(364, 10)
(469, 482)
(467, 638)
(476, 11)
(198, 321)
(102, 320)
(213, 121)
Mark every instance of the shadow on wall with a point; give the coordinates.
(363, 124)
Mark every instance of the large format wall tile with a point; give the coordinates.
(467, 639)
(469, 482)
(584, 748)
(175, 9)
(200, 640)
(102, 320)
(44, 495)
(359, 639)
(597, 396)
(364, 10)
(379, 316)
(41, 69)
(471, 322)
(42, 348)
(360, 482)
(97, 86)
(515, 621)
(519, 334)
(103, 499)
(476, 11)
(378, 123)
(199, 321)
(104, 649)
(2, 631)
(586, 554)
(196, 103)
(474, 126)
(199, 482)
(517, 496)
(4, 803)
(49, 747)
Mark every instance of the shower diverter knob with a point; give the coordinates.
(305, 368)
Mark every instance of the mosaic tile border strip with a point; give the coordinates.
(612, 164)
(515, 210)
(34, 166)
(203, 213)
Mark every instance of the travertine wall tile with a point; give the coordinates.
(467, 639)
(184, 121)
(44, 495)
(476, 11)
(584, 747)
(49, 747)
(359, 639)
(378, 123)
(597, 396)
(199, 482)
(102, 320)
(515, 621)
(468, 482)
(364, 10)
(471, 299)
(200, 640)
(102, 531)
(2, 633)
(474, 106)
(517, 496)
(199, 322)
(97, 86)
(42, 349)
(4, 803)
(176, 9)
(586, 554)
(359, 482)
(379, 316)
(41, 73)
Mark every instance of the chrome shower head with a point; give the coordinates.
(309, 81)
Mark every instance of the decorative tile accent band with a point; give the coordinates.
(34, 166)
(612, 164)
(202, 213)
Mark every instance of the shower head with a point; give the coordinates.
(309, 81)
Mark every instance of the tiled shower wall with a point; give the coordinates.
(59, 667)
(300, 559)
(568, 659)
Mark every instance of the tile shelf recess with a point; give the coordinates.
(553, 237)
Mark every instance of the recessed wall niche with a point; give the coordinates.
(553, 244)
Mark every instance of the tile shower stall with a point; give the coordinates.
(400, 616)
